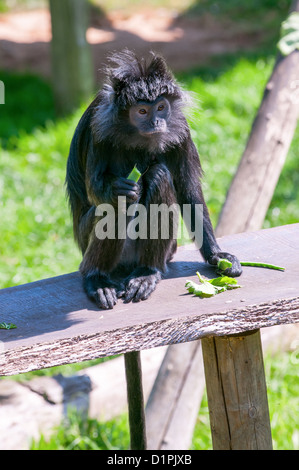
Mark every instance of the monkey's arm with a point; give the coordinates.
(102, 185)
(189, 192)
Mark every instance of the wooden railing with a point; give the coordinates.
(57, 324)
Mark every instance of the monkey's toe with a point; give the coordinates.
(140, 288)
(106, 297)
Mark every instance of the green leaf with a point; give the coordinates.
(211, 287)
(7, 326)
(223, 264)
(205, 289)
(134, 175)
(223, 281)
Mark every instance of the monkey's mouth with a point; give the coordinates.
(158, 130)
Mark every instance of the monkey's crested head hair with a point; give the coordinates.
(134, 79)
(130, 80)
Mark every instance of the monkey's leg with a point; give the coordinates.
(100, 258)
(157, 249)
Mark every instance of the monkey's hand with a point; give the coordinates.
(234, 271)
(124, 187)
(141, 284)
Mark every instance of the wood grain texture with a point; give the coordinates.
(172, 407)
(237, 393)
(57, 324)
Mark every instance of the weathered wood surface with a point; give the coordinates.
(175, 398)
(57, 324)
(237, 393)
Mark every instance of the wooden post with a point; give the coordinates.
(73, 75)
(175, 398)
(135, 400)
(237, 394)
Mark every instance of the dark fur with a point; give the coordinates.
(104, 149)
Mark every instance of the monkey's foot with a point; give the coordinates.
(140, 287)
(101, 290)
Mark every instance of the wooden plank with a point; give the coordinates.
(237, 393)
(57, 324)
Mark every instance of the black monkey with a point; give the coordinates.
(136, 118)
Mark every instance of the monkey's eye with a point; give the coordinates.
(142, 111)
(161, 107)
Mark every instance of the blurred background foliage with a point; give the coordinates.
(35, 226)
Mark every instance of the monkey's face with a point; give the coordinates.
(150, 118)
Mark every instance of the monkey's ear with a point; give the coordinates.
(124, 66)
(158, 67)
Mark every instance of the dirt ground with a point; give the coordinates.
(185, 42)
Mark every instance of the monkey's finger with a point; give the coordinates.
(124, 184)
(125, 181)
(130, 195)
(127, 193)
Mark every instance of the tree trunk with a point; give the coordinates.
(73, 75)
(272, 132)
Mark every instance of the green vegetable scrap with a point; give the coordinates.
(7, 326)
(263, 265)
(211, 287)
(134, 175)
(225, 264)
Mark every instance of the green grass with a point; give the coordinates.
(87, 434)
(283, 389)
(229, 99)
(35, 227)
